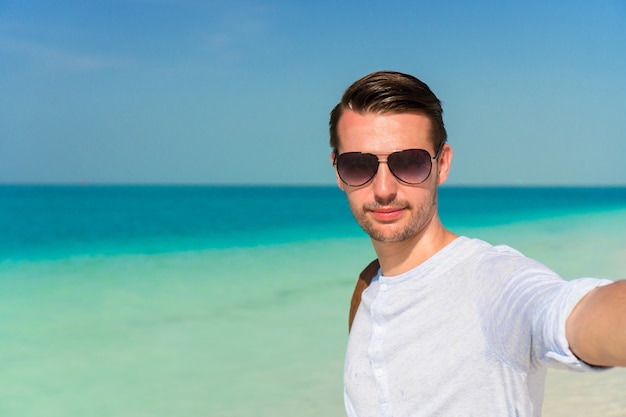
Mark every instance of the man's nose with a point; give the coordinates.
(385, 185)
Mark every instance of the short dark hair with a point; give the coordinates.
(390, 92)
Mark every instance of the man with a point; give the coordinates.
(448, 326)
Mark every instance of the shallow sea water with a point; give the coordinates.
(233, 332)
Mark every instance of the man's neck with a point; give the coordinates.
(399, 257)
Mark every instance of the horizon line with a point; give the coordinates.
(281, 185)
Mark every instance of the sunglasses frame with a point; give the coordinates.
(386, 155)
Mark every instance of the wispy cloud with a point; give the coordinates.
(47, 56)
(238, 32)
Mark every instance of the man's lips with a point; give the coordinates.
(387, 213)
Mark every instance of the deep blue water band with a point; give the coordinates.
(58, 221)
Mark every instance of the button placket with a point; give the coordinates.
(376, 351)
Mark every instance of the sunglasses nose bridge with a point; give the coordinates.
(384, 180)
(385, 160)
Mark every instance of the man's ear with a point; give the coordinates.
(444, 163)
(340, 183)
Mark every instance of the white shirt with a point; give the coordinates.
(470, 332)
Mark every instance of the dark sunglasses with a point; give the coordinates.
(410, 166)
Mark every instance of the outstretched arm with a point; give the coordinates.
(596, 329)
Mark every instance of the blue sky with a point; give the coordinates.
(204, 92)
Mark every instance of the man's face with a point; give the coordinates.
(387, 209)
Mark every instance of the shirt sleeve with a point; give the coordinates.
(525, 310)
(550, 321)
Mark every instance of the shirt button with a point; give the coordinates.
(383, 287)
(379, 372)
(378, 329)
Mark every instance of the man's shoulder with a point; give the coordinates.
(477, 248)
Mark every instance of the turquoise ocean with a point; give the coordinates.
(226, 301)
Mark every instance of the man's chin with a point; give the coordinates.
(387, 236)
(392, 239)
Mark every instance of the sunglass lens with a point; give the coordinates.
(411, 166)
(355, 168)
